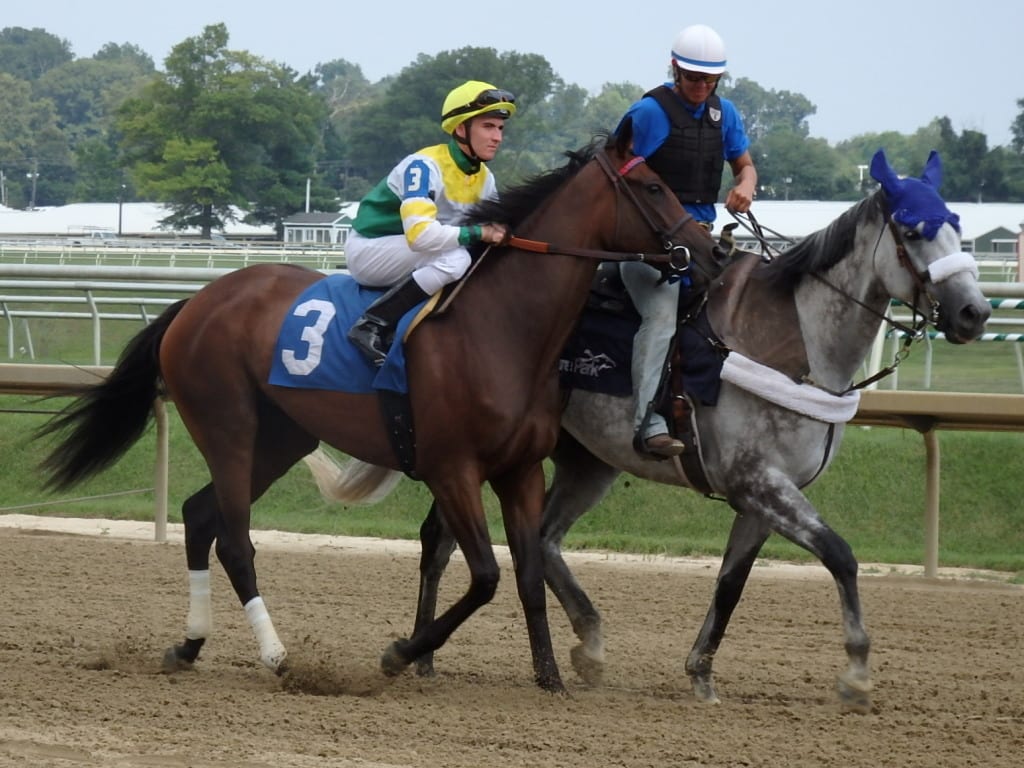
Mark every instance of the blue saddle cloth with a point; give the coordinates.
(313, 351)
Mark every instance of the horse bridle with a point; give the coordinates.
(675, 255)
(919, 320)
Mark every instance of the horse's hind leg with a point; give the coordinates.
(200, 515)
(746, 538)
(221, 512)
(580, 481)
(436, 546)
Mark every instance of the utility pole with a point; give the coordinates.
(34, 174)
(120, 208)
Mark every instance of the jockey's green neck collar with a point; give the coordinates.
(466, 164)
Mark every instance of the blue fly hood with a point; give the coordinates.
(915, 203)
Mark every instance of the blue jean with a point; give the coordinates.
(658, 307)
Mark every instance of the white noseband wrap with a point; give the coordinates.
(954, 264)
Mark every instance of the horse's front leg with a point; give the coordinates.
(580, 481)
(436, 546)
(795, 518)
(854, 685)
(782, 508)
(199, 513)
(746, 538)
(521, 494)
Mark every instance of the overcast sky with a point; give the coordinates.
(867, 65)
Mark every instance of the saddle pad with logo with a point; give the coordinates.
(313, 351)
(599, 354)
(598, 357)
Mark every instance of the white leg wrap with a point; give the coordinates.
(200, 612)
(272, 652)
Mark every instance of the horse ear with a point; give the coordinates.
(933, 170)
(882, 172)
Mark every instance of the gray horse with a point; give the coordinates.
(767, 437)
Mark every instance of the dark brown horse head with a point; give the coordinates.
(571, 205)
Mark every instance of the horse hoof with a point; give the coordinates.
(425, 669)
(590, 670)
(854, 695)
(393, 661)
(173, 662)
(552, 684)
(704, 690)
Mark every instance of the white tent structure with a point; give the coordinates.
(799, 218)
(791, 218)
(126, 219)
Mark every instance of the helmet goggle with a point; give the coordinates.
(487, 98)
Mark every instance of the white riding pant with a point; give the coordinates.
(381, 262)
(658, 307)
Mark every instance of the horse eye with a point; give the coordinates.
(912, 234)
(654, 188)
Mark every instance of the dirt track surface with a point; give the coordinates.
(85, 620)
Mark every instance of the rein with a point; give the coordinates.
(676, 256)
(910, 333)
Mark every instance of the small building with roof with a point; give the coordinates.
(320, 228)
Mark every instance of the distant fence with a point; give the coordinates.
(142, 253)
(95, 294)
(27, 379)
(927, 412)
(1004, 298)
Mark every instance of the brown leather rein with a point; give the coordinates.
(676, 256)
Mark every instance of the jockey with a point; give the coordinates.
(687, 133)
(405, 236)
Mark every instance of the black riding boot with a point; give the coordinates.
(374, 332)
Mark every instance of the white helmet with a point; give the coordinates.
(698, 48)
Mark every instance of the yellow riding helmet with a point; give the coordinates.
(474, 98)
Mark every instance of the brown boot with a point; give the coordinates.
(375, 330)
(663, 445)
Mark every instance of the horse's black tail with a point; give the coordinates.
(105, 420)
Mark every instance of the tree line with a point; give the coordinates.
(218, 130)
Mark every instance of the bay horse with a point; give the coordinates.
(482, 385)
(902, 242)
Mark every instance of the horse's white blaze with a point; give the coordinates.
(200, 611)
(272, 650)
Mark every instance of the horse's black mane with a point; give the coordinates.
(822, 249)
(519, 201)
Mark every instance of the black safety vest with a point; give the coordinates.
(691, 159)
